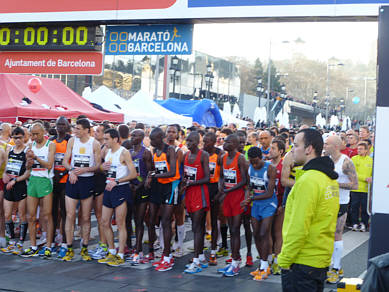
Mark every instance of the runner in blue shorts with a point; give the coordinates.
(261, 194)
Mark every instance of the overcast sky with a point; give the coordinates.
(322, 40)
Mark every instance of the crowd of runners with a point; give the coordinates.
(55, 176)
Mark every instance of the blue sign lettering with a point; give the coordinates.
(223, 3)
(149, 40)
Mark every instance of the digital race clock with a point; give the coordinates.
(50, 37)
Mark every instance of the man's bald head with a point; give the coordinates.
(335, 140)
(332, 146)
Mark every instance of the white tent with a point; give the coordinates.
(143, 103)
(107, 99)
(140, 108)
(229, 118)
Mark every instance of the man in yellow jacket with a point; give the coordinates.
(364, 167)
(310, 217)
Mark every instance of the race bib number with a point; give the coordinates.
(37, 166)
(190, 173)
(13, 167)
(229, 177)
(161, 167)
(258, 185)
(81, 160)
(58, 158)
(137, 169)
(111, 175)
(212, 167)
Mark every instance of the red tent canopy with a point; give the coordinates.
(45, 103)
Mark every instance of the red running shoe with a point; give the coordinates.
(249, 261)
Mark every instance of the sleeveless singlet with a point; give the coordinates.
(43, 153)
(344, 195)
(60, 150)
(117, 170)
(83, 156)
(16, 164)
(231, 172)
(214, 168)
(162, 166)
(259, 182)
(140, 165)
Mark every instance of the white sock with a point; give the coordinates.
(166, 259)
(170, 255)
(64, 245)
(270, 258)
(181, 235)
(196, 261)
(121, 255)
(34, 247)
(337, 255)
(112, 251)
(202, 257)
(276, 260)
(44, 234)
(161, 242)
(213, 252)
(235, 263)
(264, 265)
(53, 244)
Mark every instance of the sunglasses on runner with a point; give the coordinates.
(17, 137)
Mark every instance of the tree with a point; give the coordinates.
(257, 73)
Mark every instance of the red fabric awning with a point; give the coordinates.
(53, 93)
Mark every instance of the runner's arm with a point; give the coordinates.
(126, 158)
(349, 170)
(97, 155)
(68, 154)
(286, 181)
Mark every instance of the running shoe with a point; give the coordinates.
(229, 261)
(147, 259)
(47, 253)
(62, 252)
(223, 270)
(85, 255)
(164, 266)
(9, 248)
(54, 249)
(29, 252)
(212, 260)
(58, 238)
(249, 261)
(333, 276)
(99, 253)
(110, 257)
(263, 274)
(255, 273)
(222, 252)
(18, 249)
(116, 262)
(41, 241)
(178, 253)
(135, 260)
(275, 268)
(41, 252)
(204, 264)
(69, 255)
(193, 269)
(362, 228)
(355, 227)
(232, 271)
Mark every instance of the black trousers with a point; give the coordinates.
(359, 200)
(303, 278)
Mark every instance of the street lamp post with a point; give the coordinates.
(314, 104)
(327, 98)
(175, 71)
(260, 90)
(209, 79)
